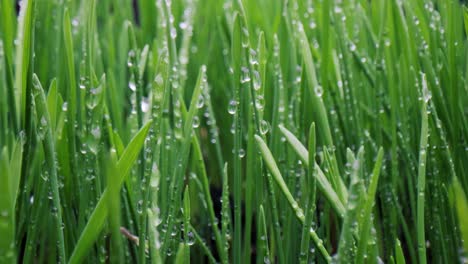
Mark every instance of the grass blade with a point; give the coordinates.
(23, 56)
(422, 173)
(369, 202)
(51, 159)
(311, 183)
(7, 223)
(323, 183)
(273, 168)
(462, 210)
(98, 217)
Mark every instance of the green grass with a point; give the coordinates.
(233, 131)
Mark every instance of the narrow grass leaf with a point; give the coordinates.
(273, 168)
(98, 217)
(51, 159)
(422, 174)
(7, 223)
(323, 183)
(461, 204)
(366, 214)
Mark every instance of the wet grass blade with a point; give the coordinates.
(461, 202)
(399, 256)
(187, 234)
(7, 223)
(422, 174)
(51, 159)
(98, 217)
(263, 243)
(367, 210)
(23, 56)
(322, 182)
(311, 187)
(273, 168)
(225, 217)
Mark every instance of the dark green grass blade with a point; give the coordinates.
(369, 202)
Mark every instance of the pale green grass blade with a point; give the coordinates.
(98, 217)
(351, 67)
(23, 56)
(322, 181)
(273, 168)
(183, 156)
(310, 209)
(51, 160)
(422, 173)
(347, 246)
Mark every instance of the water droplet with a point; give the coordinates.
(191, 238)
(387, 42)
(264, 127)
(159, 80)
(83, 149)
(232, 107)
(427, 95)
(318, 90)
(257, 82)
(260, 102)
(173, 33)
(140, 206)
(200, 102)
(96, 132)
(241, 153)
(183, 25)
(196, 122)
(132, 84)
(245, 37)
(312, 24)
(65, 106)
(145, 104)
(43, 121)
(245, 76)
(131, 56)
(253, 57)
